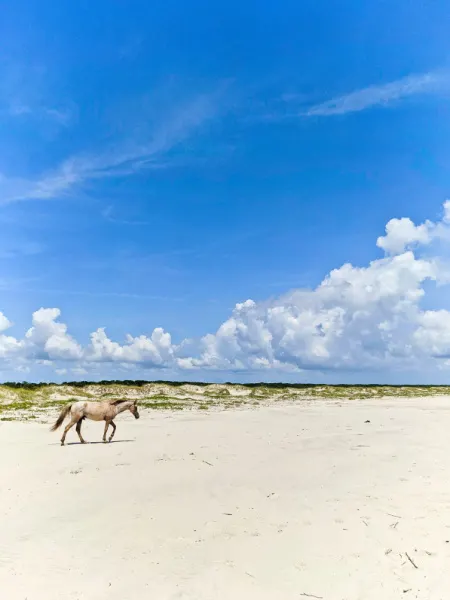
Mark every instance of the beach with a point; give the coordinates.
(337, 500)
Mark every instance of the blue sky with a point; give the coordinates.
(161, 163)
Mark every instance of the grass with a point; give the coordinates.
(161, 403)
(13, 406)
(217, 393)
(164, 406)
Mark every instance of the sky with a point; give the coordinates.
(225, 191)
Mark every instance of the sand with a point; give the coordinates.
(281, 503)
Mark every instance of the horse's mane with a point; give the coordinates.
(116, 402)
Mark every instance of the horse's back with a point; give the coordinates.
(96, 411)
(78, 407)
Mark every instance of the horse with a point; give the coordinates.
(96, 411)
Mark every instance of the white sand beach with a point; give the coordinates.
(269, 503)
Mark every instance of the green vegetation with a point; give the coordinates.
(162, 405)
(222, 389)
(13, 406)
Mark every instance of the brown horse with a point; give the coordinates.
(96, 411)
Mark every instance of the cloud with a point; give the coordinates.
(433, 333)
(62, 116)
(48, 338)
(26, 93)
(154, 351)
(9, 346)
(4, 323)
(381, 95)
(402, 233)
(125, 158)
(357, 318)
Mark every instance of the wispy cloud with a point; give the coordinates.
(375, 95)
(125, 158)
(25, 94)
(62, 116)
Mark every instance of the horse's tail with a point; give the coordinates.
(63, 414)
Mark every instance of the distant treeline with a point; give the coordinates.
(141, 382)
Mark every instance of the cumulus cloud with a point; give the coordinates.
(48, 338)
(433, 333)
(48, 341)
(357, 317)
(402, 234)
(366, 317)
(9, 346)
(155, 351)
(5, 323)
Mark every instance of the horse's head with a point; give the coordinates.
(134, 410)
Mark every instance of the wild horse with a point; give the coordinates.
(96, 411)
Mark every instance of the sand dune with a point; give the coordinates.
(279, 503)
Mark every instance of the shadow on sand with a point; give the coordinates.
(91, 443)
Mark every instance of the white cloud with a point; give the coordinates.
(48, 338)
(357, 318)
(403, 234)
(155, 351)
(10, 347)
(381, 95)
(446, 218)
(5, 323)
(433, 334)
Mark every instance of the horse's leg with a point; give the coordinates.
(72, 422)
(79, 431)
(114, 430)
(106, 429)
